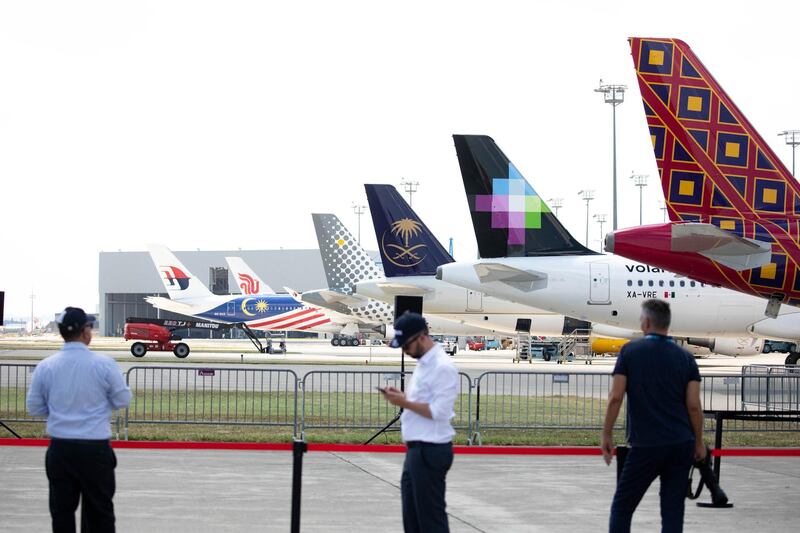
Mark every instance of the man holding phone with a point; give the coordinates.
(425, 426)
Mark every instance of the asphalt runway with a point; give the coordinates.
(212, 491)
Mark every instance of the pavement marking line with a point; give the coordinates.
(396, 486)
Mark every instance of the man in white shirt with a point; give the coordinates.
(425, 425)
(77, 390)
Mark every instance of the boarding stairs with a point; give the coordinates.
(522, 351)
(576, 345)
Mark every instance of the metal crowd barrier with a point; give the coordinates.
(531, 400)
(212, 396)
(771, 387)
(350, 400)
(14, 382)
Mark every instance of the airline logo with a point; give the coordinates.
(513, 204)
(302, 319)
(175, 276)
(398, 243)
(248, 284)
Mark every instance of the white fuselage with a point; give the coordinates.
(608, 289)
(467, 306)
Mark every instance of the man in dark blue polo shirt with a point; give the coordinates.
(665, 420)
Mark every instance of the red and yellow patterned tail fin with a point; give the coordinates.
(714, 165)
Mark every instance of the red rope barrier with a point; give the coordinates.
(392, 448)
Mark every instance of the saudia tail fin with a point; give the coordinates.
(509, 218)
(715, 167)
(344, 260)
(407, 246)
(248, 280)
(178, 281)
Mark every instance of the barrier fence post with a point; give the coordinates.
(718, 442)
(299, 447)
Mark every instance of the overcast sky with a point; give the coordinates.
(223, 125)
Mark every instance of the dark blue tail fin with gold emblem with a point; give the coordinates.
(407, 246)
(509, 218)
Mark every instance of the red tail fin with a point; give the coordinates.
(714, 165)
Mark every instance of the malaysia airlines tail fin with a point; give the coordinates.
(406, 245)
(344, 260)
(715, 167)
(509, 218)
(178, 281)
(248, 280)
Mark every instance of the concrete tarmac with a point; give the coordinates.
(204, 491)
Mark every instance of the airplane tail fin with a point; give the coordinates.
(406, 245)
(344, 260)
(715, 167)
(509, 218)
(178, 281)
(248, 280)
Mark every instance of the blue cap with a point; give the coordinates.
(73, 319)
(407, 326)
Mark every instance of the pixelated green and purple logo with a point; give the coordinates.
(514, 206)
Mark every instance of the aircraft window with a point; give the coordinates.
(671, 283)
(683, 283)
(639, 283)
(650, 283)
(661, 283)
(630, 283)
(691, 283)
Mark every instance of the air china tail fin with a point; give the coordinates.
(715, 167)
(509, 218)
(344, 260)
(407, 246)
(248, 280)
(178, 281)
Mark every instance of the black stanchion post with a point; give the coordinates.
(718, 442)
(299, 447)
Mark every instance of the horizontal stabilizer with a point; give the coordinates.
(402, 289)
(523, 280)
(738, 253)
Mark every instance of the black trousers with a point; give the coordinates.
(642, 466)
(423, 487)
(81, 470)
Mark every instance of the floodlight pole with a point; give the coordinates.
(556, 204)
(359, 210)
(792, 138)
(614, 95)
(587, 195)
(600, 218)
(639, 180)
(410, 187)
(32, 298)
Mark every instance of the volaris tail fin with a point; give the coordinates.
(407, 246)
(509, 218)
(178, 281)
(344, 260)
(248, 280)
(714, 166)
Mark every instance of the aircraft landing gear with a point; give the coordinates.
(792, 358)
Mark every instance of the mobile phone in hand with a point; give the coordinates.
(381, 389)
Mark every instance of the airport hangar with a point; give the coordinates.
(125, 278)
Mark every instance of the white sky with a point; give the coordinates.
(223, 125)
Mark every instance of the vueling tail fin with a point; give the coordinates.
(178, 281)
(407, 246)
(509, 218)
(714, 165)
(344, 260)
(248, 280)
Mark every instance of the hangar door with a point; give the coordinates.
(600, 285)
